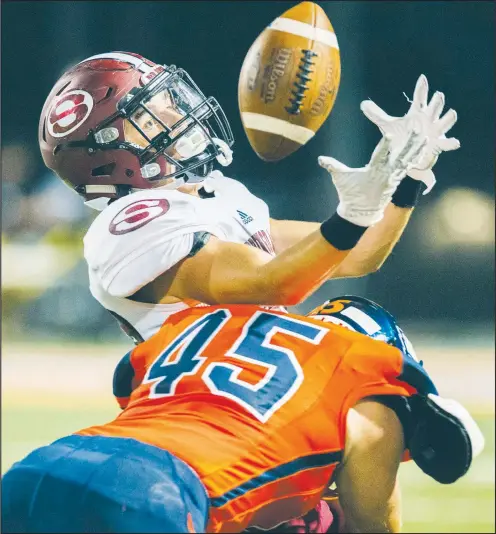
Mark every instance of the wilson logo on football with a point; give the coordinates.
(69, 112)
(137, 214)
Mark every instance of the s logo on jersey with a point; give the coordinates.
(137, 214)
(69, 112)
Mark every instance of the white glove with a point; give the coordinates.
(426, 119)
(365, 192)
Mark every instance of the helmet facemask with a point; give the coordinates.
(171, 118)
(171, 127)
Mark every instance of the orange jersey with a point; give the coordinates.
(255, 401)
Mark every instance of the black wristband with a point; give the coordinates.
(340, 233)
(407, 193)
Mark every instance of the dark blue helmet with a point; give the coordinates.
(442, 437)
(366, 317)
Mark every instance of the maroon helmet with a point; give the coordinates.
(117, 122)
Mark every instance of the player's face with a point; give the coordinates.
(161, 106)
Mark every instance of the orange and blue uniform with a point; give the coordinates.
(254, 402)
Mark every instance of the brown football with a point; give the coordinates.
(289, 81)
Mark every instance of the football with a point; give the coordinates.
(289, 81)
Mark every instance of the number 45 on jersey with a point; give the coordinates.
(183, 357)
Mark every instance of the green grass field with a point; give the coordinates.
(61, 395)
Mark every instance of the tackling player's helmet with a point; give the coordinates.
(440, 434)
(117, 122)
(366, 317)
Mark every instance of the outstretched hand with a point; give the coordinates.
(364, 192)
(426, 119)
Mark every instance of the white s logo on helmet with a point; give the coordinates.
(68, 113)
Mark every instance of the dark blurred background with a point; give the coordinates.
(442, 271)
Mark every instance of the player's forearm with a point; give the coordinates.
(286, 233)
(369, 253)
(375, 245)
(231, 273)
(369, 527)
(302, 268)
(384, 520)
(367, 479)
(285, 280)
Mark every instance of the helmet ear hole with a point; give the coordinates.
(103, 170)
(102, 94)
(63, 88)
(108, 93)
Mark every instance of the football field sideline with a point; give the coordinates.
(52, 372)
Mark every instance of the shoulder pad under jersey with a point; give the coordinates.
(144, 234)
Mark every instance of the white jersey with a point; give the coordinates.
(142, 235)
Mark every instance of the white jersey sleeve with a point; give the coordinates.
(142, 235)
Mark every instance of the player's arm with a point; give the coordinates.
(232, 273)
(367, 480)
(203, 267)
(369, 253)
(378, 242)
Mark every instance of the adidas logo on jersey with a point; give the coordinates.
(244, 217)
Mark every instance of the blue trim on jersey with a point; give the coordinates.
(281, 471)
(123, 377)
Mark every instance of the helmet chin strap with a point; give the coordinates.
(226, 154)
(224, 158)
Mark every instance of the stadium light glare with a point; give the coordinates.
(461, 216)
